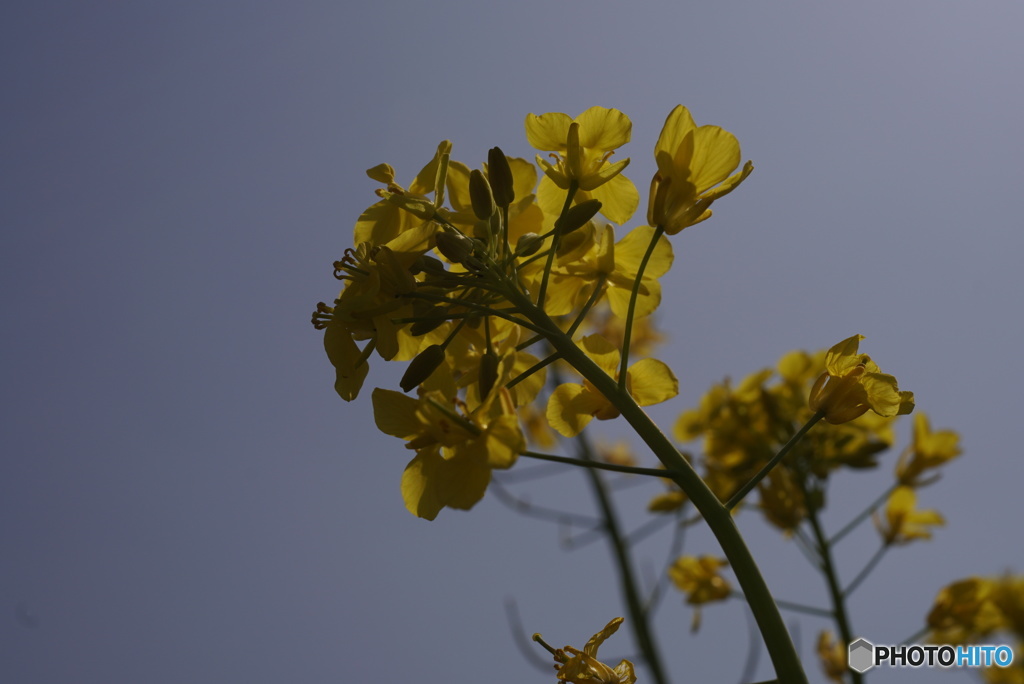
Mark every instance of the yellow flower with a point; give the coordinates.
(853, 383)
(833, 657)
(386, 220)
(583, 667)
(455, 453)
(572, 406)
(700, 580)
(928, 450)
(581, 149)
(581, 146)
(903, 524)
(694, 164)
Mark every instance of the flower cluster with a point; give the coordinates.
(973, 610)
(467, 274)
(744, 425)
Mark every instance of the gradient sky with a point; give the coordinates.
(184, 498)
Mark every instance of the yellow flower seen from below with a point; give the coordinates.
(581, 149)
(852, 384)
(455, 452)
(694, 167)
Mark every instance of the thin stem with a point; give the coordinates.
(832, 579)
(634, 604)
(555, 239)
(627, 334)
(531, 370)
(860, 517)
(769, 621)
(599, 465)
(500, 313)
(866, 570)
(795, 607)
(598, 288)
(738, 496)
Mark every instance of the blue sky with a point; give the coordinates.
(182, 495)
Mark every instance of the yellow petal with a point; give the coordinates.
(842, 357)
(619, 199)
(647, 300)
(571, 408)
(678, 124)
(595, 641)
(504, 442)
(548, 131)
(716, 154)
(420, 490)
(629, 252)
(604, 129)
(883, 396)
(651, 382)
(602, 352)
(466, 479)
(395, 414)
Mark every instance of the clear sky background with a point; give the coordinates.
(184, 498)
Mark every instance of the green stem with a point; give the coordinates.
(634, 604)
(832, 579)
(866, 570)
(583, 463)
(555, 239)
(738, 496)
(598, 289)
(627, 335)
(531, 370)
(850, 526)
(766, 613)
(795, 607)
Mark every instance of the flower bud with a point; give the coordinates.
(480, 195)
(455, 247)
(577, 216)
(500, 175)
(431, 319)
(420, 368)
(528, 244)
(488, 373)
(427, 264)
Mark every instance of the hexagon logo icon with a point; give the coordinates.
(862, 655)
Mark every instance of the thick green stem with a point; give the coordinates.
(769, 621)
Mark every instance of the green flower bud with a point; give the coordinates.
(488, 373)
(432, 319)
(420, 368)
(480, 195)
(500, 175)
(577, 216)
(528, 244)
(427, 264)
(455, 247)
